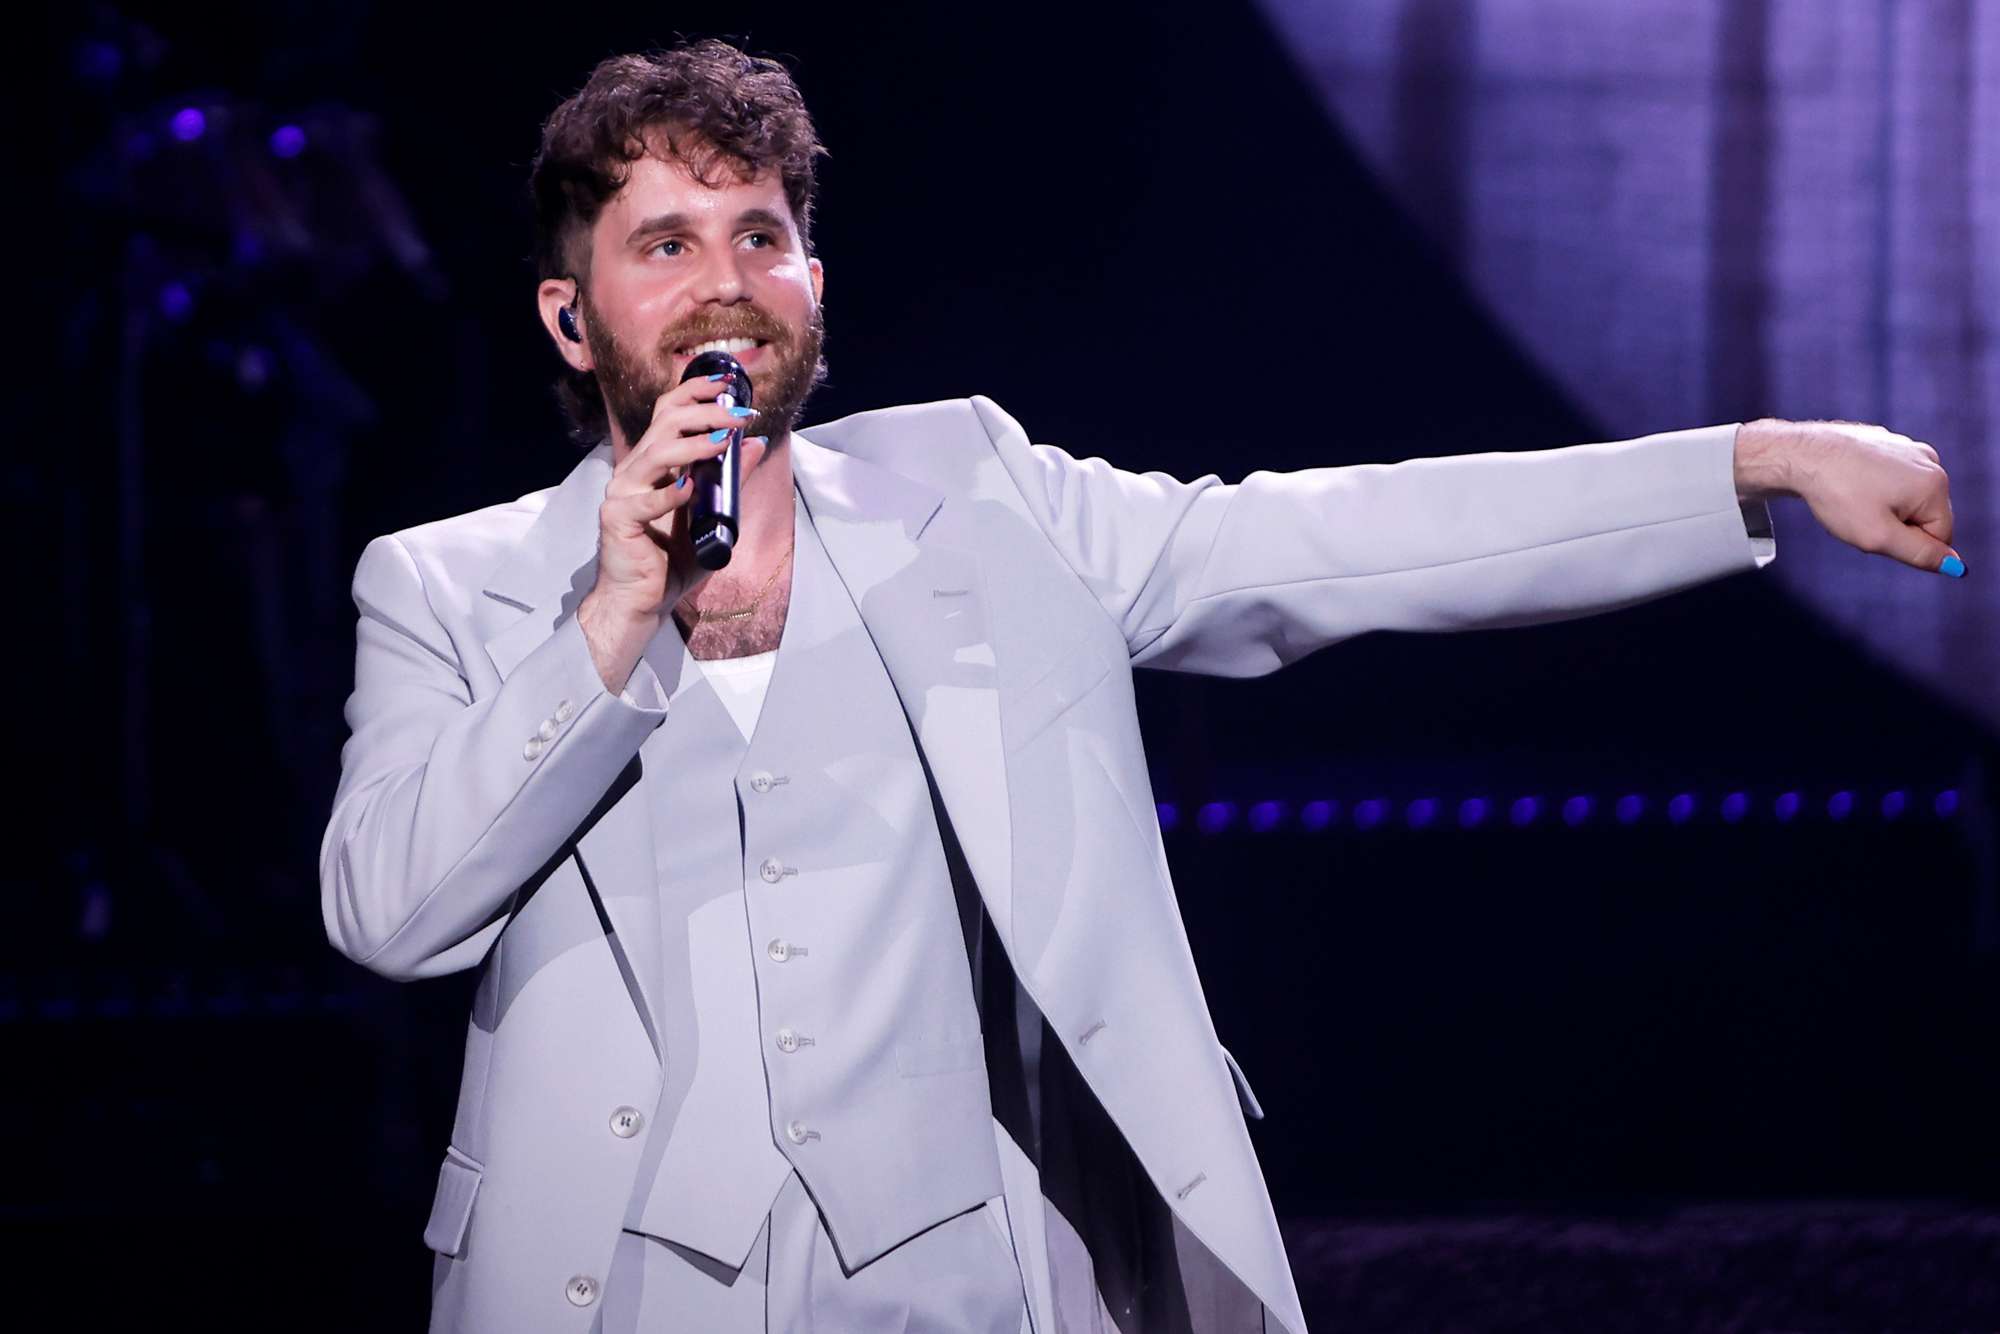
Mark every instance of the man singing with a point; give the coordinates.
(831, 975)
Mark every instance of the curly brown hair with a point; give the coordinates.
(744, 113)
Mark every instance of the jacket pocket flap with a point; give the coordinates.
(1251, 1108)
(458, 1182)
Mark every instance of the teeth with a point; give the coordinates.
(730, 345)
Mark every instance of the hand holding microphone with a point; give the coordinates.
(646, 558)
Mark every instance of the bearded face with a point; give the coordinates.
(786, 364)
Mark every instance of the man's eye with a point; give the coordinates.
(766, 235)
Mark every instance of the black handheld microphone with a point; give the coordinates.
(714, 508)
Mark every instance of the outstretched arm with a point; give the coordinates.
(1238, 579)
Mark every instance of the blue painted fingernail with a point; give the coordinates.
(718, 435)
(741, 412)
(683, 481)
(718, 375)
(1953, 566)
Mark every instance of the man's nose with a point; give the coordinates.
(721, 276)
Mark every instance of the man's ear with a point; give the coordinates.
(819, 279)
(550, 299)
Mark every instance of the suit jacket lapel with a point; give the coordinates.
(554, 564)
(923, 600)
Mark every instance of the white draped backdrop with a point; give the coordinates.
(1691, 211)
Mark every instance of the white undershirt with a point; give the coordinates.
(740, 684)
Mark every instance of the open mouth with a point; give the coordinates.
(746, 350)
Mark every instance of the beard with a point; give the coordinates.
(793, 365)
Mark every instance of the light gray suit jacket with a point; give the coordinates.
(484, 816)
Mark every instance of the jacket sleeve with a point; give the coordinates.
(447, 805)
(1239, 579)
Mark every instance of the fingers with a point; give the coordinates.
(1918, 545)
(640, 506)
(1913, 546)
(1922, 536)
(660, 456)
(686, 440)
(683, 420)
(1932, 509)
(1938, 526)
(633, 511)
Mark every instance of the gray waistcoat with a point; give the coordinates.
(818, 1010)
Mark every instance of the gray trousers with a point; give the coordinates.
(959, 1277)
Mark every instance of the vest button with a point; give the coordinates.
(787, 1040)
(760, 781)
(582, 1290)
(796, 1132)
(626, 1121)
(771, 870)
(778, 950)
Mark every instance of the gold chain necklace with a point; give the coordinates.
(703, 616)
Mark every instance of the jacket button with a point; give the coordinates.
(778, 950)
(771, 870)
(796, 1132)
(564, 712)
(760, 781)
(547, 731)
(582, 1290)
(626, 1121)
(787, 1040)
(533, 749)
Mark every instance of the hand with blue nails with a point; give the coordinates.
(1870, 487)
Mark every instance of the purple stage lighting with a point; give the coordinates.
(1630, 807)
(288, 141)
(1681, 808)
(1369, 813)
(1264, 816)
(1786, 806)
(1471, 812)
(176, 302)
(1946, 803)
(1169, 814)
(1576, 810)
(1839, 804)
(189, 124)
(1420, 812)
(1893, 803)
(1317, 814)
(1525, 810)
(1215, 817)
(1735, 806)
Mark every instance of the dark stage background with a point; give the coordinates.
(1724, 1064)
